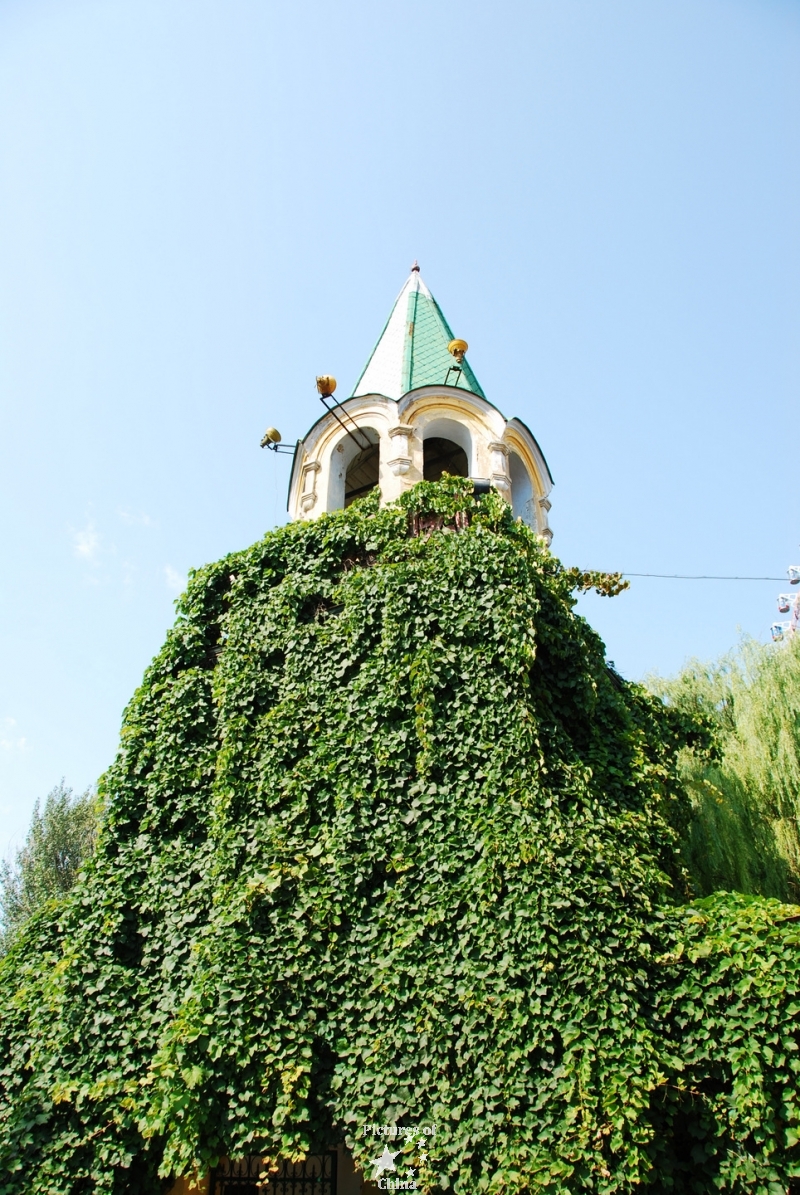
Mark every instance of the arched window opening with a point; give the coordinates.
(521, 490)
(363, 471)
(443, 456)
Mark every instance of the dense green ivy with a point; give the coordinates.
(728, 1009)
(387, 842)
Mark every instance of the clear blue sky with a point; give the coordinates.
(202, 206)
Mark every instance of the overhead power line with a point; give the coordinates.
(691, 577)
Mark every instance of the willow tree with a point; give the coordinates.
(743, 779)
(387, 841)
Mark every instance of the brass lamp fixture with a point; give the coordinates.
(272, 440)
(326, 385)
(457, 348)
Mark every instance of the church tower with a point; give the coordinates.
(417, 411)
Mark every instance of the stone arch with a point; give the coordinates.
(354, 468)
(446, 448)
(363, 472)
(522, 495)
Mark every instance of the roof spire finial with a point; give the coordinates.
(415, 267)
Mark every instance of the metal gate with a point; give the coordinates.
(314, 1176)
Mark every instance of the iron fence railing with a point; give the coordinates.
(316, 1175)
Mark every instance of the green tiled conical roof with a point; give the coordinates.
(412, 350)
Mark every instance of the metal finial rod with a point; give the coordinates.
(415, 267)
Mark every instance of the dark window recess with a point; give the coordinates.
(443, 456)
(315, 1176)
(362, 472)
(425, 524)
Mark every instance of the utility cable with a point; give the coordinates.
(691, 577)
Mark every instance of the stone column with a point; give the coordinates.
(400, 461)
(544, 530)
(308, 485)
(499, 463)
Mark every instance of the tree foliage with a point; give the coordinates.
(744, 779)
(61, 837)
(386, 841)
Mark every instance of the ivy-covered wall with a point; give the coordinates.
(386, 841)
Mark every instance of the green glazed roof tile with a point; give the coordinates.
(412, 349)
